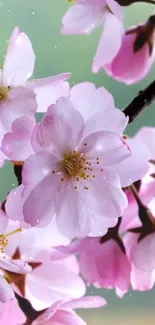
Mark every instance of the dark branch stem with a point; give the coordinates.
(125, 3)
(30, 313)
(140, 102)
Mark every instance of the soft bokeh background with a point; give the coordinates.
(41, 20)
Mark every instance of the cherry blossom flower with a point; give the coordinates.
(7, 264)
(51, 279)
(86, 15)
(136, 54)
(11, 314)
(95, 265)
(61, 313)
(74, 171)
(18, 68)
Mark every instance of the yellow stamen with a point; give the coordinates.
(13, 232)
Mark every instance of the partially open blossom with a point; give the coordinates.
(86, 15)
(11, 314)
(103, 264)
(136, 54)
(62, 313)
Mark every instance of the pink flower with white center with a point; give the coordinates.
(69, 177)
(7, 264)
(62, 312)
(136, 54)
(11, 314)
(102, 262)
(141, 280)
(86, 15)
(51, 280)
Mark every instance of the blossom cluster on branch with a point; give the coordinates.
(83, 212)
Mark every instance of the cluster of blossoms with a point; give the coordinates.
(83, 212)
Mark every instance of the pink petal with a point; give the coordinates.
(130, 67)
(85, 302)
(115, 8)
(135, 166)
(101, 226)
(88, 99)
(110, 119)
(61, 283)
(146, 135)
(11, 313)
(6, 293)
(39, 206)
(37, 167)
(14, 204)
(19, 60)
(110, 42)
(3, 222)
(73, 216)
(19, 102)
(113, 271)
(17, 144)
(104, 147)
(142, 254)
(61, 317)
(49, 90)
(59, 132)
(81, 19)
(105, 198)
(15, 266)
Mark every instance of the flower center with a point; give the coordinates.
(3, 92)
(73, 165)
(4, 239)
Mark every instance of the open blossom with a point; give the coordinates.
(86, 15)
(136, 54)
(11, 313)
(51, 280)
(81, 163)
(62, 312)
(68, 174)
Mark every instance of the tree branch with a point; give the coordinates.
(140, 102)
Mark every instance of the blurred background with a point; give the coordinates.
(41, 20)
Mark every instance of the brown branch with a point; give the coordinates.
(140, 102)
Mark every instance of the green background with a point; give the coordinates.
(41, 20)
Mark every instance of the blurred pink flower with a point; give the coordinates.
(86, 15)
(61, 313)
(11, 314)
(51, 279)
(142, 278)
(103, 264)
(135, 56)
